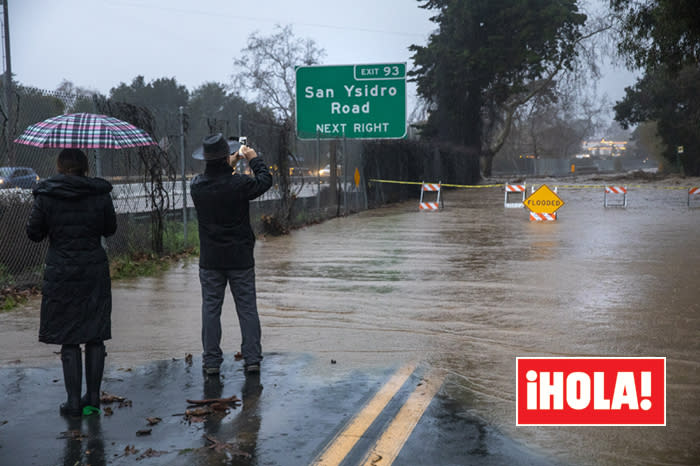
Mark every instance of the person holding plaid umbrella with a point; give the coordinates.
(74, 212)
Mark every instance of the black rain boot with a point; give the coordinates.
(94, 368)
(73, 379)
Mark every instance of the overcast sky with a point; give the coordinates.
(99, 44)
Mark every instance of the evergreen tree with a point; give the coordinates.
(487, 58)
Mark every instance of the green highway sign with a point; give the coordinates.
(352, 101)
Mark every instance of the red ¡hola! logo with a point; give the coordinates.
(590, 391)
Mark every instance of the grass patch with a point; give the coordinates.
(142, 264)
(9, 303)
(11, 297)
(148, 264)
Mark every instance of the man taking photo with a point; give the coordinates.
(226, 241)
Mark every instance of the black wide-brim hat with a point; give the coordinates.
(215, 147)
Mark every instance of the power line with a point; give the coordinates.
(268, 20)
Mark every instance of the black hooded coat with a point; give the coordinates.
(74, 212)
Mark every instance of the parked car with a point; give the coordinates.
(326, 171)
(18, 177)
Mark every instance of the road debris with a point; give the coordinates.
(208, 401)
(219, 446)
(150, 453)
(108, 398)
(153, 420)
(198, 414)
(142, 432)
(200, 409)
(73, 434)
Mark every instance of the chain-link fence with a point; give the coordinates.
(313, 179)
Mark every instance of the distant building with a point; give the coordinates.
(603, 148)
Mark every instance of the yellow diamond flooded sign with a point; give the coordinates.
(543, 201)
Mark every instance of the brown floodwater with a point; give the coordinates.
(467, 289)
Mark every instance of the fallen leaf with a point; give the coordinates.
(130, 450)
(142, 432)
(125, 404)
(208, 401)
(219, 406)
(199, 411)
(188, 359)
(74, 434)
(108, 411)
(153, 420)
(109, 398)
(220, 446)
(150, 453)
(238, 356)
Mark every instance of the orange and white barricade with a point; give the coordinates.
(692, 192)
(539, 217)
(430, 187)
(615, 191)
(514, 188)
(545, 199)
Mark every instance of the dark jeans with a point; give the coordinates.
(242, 283)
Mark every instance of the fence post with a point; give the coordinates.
(345, 174)
(184, 177)
(318, 173)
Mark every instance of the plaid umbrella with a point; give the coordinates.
(84, 131)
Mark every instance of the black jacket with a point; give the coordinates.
(74, 212)
(226, 239)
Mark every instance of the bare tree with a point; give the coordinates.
(157, 167)
(267, 68)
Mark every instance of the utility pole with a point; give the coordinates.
(8, 82)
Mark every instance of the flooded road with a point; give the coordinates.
(467, 290)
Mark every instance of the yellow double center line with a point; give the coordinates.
(392, 440)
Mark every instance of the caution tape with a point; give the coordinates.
(500, 185)
(396, 182)
(473, 185)
(445, 185)
(637, 186)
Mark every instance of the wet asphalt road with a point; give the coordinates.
(464, 291)
(287, 416)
